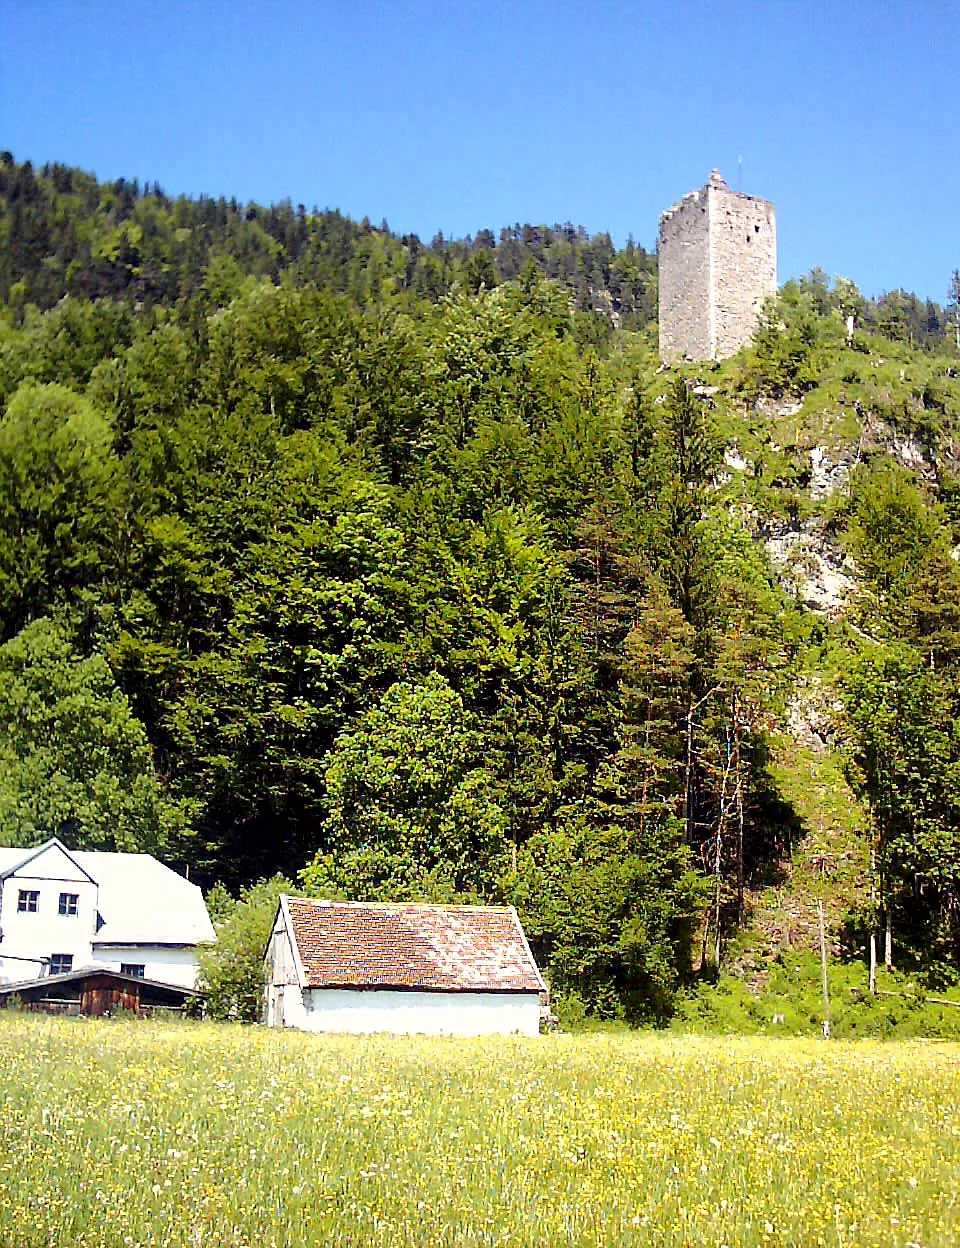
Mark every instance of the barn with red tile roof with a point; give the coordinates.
(365, 966)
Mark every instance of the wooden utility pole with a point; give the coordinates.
(823, 968)
(872, 980)
(872, 974)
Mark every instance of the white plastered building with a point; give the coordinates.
(363, 967)
(62, 910)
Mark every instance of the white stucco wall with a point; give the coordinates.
(45, 932)
(168, 965)
(428, 1013)
(14, 970)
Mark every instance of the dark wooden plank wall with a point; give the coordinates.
(96, 995)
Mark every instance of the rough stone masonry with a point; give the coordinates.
(718, 263)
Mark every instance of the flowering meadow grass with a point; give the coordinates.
(135, 1133)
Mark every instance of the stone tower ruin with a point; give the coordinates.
(717, 253)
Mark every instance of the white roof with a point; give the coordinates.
(140, 901)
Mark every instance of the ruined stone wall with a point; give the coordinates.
(718, 263)
(743, 264)
(683, 252)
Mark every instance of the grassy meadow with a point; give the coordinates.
(135, 1133)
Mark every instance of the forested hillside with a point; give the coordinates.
(63, 233)
(405, 566)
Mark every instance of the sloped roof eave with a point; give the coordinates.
(531, 991)
(526, 944)
(37, 850)
(294, 943)
(139, 942)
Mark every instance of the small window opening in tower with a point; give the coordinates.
(756, 229)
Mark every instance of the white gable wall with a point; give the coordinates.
(426, 1013)
(37, 935)
(284, 1000)
(51, 862)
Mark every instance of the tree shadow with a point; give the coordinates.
(775, 831)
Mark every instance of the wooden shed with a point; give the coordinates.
(95, 992)
(373, 966)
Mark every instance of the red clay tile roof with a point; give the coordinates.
(433, 948)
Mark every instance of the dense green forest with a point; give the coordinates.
(63, 233)
(404, 569)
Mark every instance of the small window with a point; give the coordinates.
(60, 963)
(68, 903)
(136, 969)
(28, 901)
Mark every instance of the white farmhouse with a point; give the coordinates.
(363, 967)
(62, 909)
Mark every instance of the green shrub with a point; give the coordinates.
(231, 971)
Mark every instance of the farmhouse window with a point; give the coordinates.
(60, 963)
(137, 969)
(68, 903)
(29, 900)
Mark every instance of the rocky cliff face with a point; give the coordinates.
(812, 569)
(804, 550)
(865, 419)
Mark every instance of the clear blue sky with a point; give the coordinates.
(459, 116)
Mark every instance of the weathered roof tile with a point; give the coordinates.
(432, 948)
